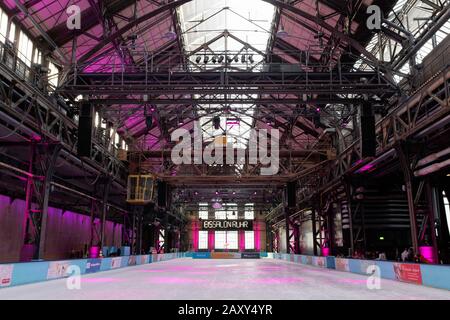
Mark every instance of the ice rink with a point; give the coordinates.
(223, 279)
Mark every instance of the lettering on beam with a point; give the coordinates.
(227, 225)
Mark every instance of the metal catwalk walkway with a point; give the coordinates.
(223, 279)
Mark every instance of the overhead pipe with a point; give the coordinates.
(431, 169)
(433, 157)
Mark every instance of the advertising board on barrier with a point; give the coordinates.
(225, 255)
(57, 269)
(201, 255)
(143, 259)
(365, 265)
(132, 260)
(250, 255)
(309, 260)
(342, 265)
(6, 271)
(116, 262)
(407, 272)
(319, 262)
(93, 265)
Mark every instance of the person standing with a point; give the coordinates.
(404, 255)
(410, 257)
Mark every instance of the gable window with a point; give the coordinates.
(25, 49)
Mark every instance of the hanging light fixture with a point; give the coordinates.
(198, 59)
(171, 34)
(217, 205)
(282, 33)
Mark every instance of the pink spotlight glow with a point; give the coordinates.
(211, 239)
(100, 280)
(176, 280)
(367, 168)
(277, 280)
(257, 237)
(427, 253)
(195, 230)
(94, 252)
(36, 138)
(353, 281)
(241, 240)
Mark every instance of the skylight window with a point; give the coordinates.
(226, 34)
(3, 25)
(249, 21)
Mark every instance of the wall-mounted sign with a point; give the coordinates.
(227, 224)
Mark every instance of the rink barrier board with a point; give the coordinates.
(436, 276)
(14, 274)
(227, 255)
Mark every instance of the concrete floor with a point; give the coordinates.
(223, 279)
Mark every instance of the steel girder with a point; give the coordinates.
(334, 32)
(128, 27)
(292, 233)
(423, 112)
(42, 162)
(226, 86)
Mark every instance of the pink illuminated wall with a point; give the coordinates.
(11, 216)
(211, 240)
(65, 231)
(257, 233)
(195, 229)
(241, 237)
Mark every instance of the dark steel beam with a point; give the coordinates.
(352, 42)
(129, 26)
(250, 100)
(61, 35)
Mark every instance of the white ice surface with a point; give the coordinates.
(223, 279)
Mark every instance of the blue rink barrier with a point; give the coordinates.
(436, 276)
(234, 255)
(14, 274)
(201, 255)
